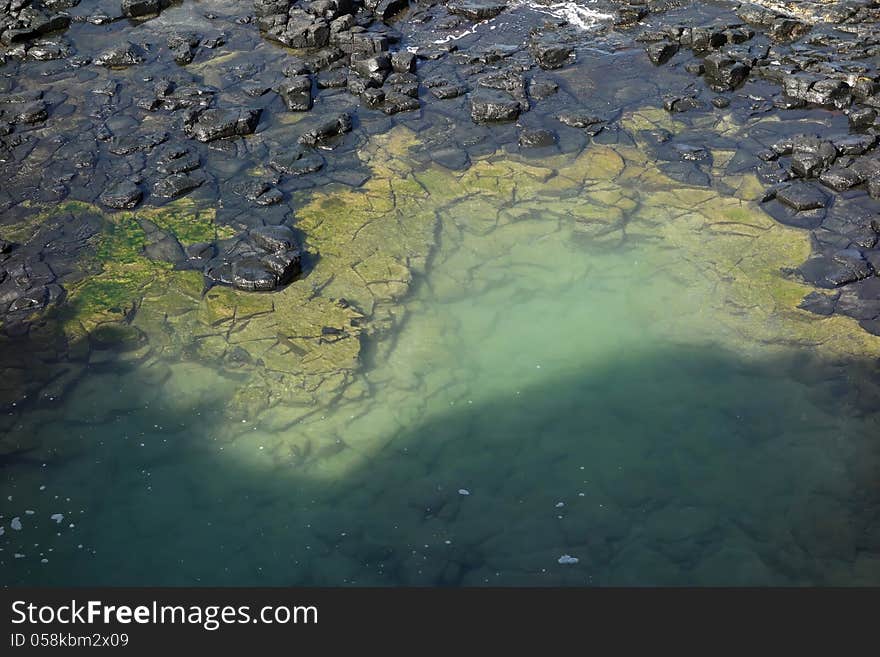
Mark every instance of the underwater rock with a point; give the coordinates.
(536, 138)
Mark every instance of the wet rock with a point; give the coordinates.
(788, 29)
(373, 97)
(445, 92)
(541, 89)
(296, 162)
(263, 259)
(477, 10)
(160, 245)
(29, 113)
(214, 124)
(661, 52)
(840, 178)
(580, 119)
(801, 196)
(491, 107)
(721, 102)
(820, 303)
(122, 55)
(332, 80)
(549, 53)
(810, 156)
(817, 90)
(375, 68)
(536, 138)
(177, 185)
(136, 8)
(723, 72)
(183, 46)
(330, 128)
(681, 103)
(862, 119)
(123, 195)
(451, 158)
(403, 62)
(397, 102)
(297, 93)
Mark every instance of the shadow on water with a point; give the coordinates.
(691, 466)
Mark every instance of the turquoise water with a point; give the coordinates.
(546, 395)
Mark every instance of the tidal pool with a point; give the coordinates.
(571, 370)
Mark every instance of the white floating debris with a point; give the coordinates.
(29, 512)
(16, 524)
(57, 517)
(44, 561)
(18, 555)
(567, 560)
(2, 530)
(559, 505)
(463, 491)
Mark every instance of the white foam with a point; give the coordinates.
(576, 13)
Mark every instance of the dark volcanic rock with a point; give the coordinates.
(297, 93)
(262, 259)
(723, 72)
(478, 10)
(176, 185)
(135, 8)
(124, 54)
(330, 128)
(214, 124)
(493, 106)
(661, 52)
(536, 138)
(801, 196)
(121, 195)
(550, 53)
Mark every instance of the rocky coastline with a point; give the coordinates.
(163, 161)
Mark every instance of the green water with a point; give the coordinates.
(647, 403)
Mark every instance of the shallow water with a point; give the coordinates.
(561, 381)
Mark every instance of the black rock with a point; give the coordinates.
(403, 62)
(121, 195)
(820, 303)
(176, 185)
(550, 54)
(397, 102)
(296, 93)
(478, 10)
(536, 138)
(214, 124)
(263, 259)
(862, 119)
(125, 54)
(135, 8)
(661, 52)
(801, 196)
(840, 178)
(491, 107)
(723, 72)
(329, 128)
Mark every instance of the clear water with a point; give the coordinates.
(639, 404)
